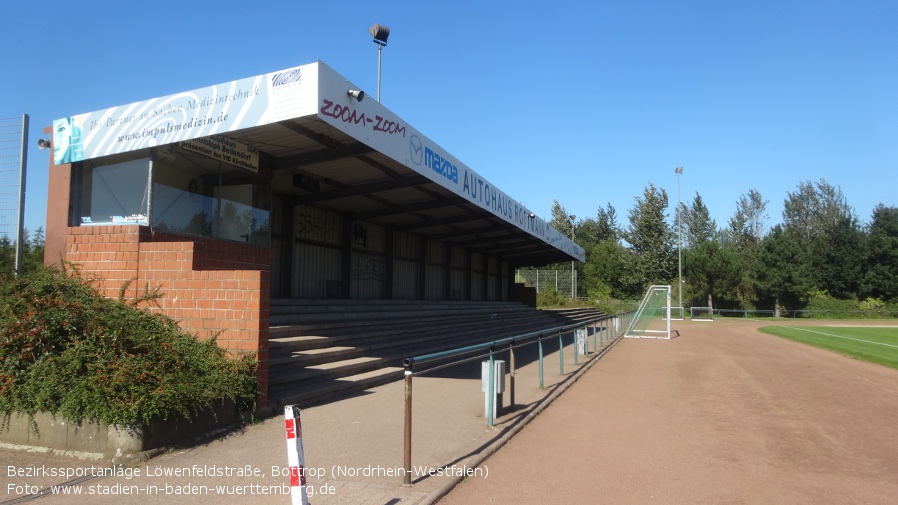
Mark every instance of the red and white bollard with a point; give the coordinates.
(295, 458)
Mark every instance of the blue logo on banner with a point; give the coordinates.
(290, 77)
(440, 165)
(415, 149)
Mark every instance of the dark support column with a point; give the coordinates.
(447, 273)
(389, 262)
(287, 245)
(509, 283)
(422, 267)
(469, 266)
(485, 283)
(346, 257)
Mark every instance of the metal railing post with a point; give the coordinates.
(540, 340)
(560, 354)
(595, 347)
(511, 375)
(407, 477)
(491, 390)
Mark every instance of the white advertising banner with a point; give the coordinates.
(373, 124)
(189, 115)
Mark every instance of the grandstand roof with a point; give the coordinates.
(329, 149)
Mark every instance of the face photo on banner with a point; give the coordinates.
(67, 141)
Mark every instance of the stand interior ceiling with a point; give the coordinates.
(316, 164)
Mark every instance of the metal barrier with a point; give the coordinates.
(809, 314)
(454, 357)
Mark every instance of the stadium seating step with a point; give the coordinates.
(322, 349)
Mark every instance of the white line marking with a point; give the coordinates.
(847, 338)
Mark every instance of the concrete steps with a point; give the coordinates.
(324, 348)
(317, 392)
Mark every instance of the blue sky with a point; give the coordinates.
(585, 102)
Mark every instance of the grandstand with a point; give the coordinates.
(290, 214)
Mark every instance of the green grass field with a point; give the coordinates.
(868, 343)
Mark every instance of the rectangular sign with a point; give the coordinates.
(225, 150)
(217, 109)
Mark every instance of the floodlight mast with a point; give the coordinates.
(380, 34)
(572, 217)
(679, 171)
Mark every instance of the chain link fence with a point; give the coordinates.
(13, 137)
(563, 282)
(551, 280)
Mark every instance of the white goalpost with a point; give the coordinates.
(701, 313)
(652, 318)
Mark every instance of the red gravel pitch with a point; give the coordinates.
(720, 414)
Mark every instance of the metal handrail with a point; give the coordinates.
(425, 358)
(476, 351)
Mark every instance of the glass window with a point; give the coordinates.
(191, 193)
(113, 190)
(199, 195)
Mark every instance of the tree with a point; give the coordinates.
(814, 209)
(881, 277)
(32, 252)
(604, 270)
(746, 227)
(586, 233)
(564, 223)
(561, 220)
(711, 270)
(34, 258)
(590, 232)
(781, 273)
(828, 236)
(743, 235)
(697, 222)
(837, 257)
(608, 228)
(7, 254)
(650, 240)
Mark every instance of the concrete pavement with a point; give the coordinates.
(722, 414)
(353, 447)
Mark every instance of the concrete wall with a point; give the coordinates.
(111, 443)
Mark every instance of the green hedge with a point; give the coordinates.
(821, 305)
(67, 350)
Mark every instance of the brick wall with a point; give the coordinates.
(207, 285)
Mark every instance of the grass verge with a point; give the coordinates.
(874, 344)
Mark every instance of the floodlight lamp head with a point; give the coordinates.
(532, 216)
(358, 94)
(43, 144)
(572, 217)
(380, 34)
(679, 170)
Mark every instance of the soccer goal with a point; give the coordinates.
(701, 313)
(652, 318)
